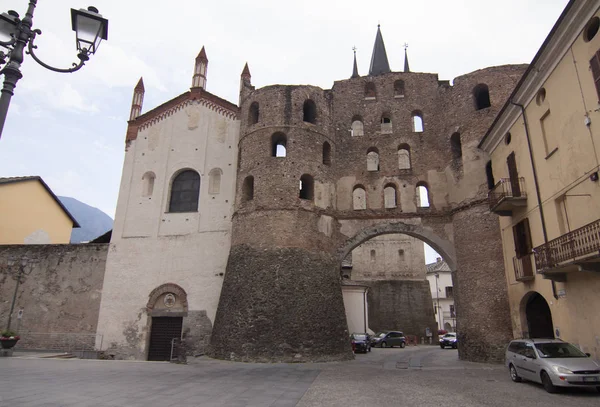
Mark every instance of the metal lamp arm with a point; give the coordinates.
(83, 58)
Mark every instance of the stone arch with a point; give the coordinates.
(536, 316)
(441, 245)
(165, 289)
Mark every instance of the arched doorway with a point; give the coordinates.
(538, 318)
(167, 305)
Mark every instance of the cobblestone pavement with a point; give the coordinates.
(414, 376)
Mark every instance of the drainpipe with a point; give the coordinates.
(365, 307)
(537, 186)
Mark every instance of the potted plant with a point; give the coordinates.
(8, 339)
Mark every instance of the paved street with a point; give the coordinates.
(414, 376)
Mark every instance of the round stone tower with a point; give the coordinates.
(281, 298)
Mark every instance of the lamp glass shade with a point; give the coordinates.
(8, 27)
(90, 29)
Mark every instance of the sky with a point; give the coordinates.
(70, 128)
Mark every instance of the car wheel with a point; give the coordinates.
(383, 344)
(547, 383)
(442, 346)
(402, 344)
(453, 346)
(513, 374)
(369, 349)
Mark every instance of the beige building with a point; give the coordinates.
(30, 213)
(439, 276)
(545, 153)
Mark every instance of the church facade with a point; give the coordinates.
(232, 221)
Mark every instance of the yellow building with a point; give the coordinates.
(30, 213)
(543, 174)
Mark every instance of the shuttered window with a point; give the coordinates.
(595, 65)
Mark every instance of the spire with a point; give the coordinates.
(138, 99)
(199, 78)
(379, 60)
(246, 73)
(355, 69)
(406, 67)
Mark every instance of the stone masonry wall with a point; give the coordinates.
(59, 293)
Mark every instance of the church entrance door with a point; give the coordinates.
(164, 329)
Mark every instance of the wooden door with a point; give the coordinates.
(164, 329)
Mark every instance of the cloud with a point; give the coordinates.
(71, 99)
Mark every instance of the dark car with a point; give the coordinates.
(360, 342)
(449, 339)
(389, 339)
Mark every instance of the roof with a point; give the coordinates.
(379, 59)
(439, 265)
(11, 180)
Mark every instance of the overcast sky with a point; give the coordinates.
(70, 128)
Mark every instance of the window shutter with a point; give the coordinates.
(595, 65)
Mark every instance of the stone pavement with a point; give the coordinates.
(414, 376)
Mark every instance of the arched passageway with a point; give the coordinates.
(538, 318)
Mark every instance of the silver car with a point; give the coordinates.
(551, 362)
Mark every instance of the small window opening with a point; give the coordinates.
(422, 196)
(481, 95)
(403, 157)
(310, 111)
(214, 181)
(306, 187)
(592, 29)
(417, 117)
(248, 189)
(370, 90)
(540, 97)
(359, 198)
(456, 146)
(326, 153)
(399, 88)
(372, 160)
(253, 113)
(373, 255)
(185, 192)
(389, 196)
(386, 124)
(357, 126)
(278, 145)
(401, 254)
(490, 175)
(148, 183)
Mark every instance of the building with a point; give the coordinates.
(543, 175)
(30, 213)
(439, 276)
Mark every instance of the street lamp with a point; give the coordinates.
(437, 295)
(15, 34)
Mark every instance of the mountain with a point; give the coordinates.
(92, 220)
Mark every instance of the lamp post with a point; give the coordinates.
(16, 34)
(437, 296)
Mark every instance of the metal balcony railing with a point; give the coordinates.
(568, 248)
(523, 268)
(506, 194)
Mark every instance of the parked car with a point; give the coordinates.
(449, 339)
(389, 339)
(551, 362)
(361, 342)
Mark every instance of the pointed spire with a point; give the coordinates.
(199, 78)
(246, 72)
(138, 99)
(355, 69)
(406, 67)
(379, 60)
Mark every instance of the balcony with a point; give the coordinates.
(448, 315)
(523, 268)
(578, 250)
(507, 194)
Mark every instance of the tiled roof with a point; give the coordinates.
(9, 180)
(440, 265)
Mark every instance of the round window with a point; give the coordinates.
(591, 29)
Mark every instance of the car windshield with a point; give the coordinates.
(381, 334)
(360, 337)
(450, 336)
(558, 350)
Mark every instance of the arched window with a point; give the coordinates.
(422, 195)
(326, 153)
(456, 146)
(359, 198)
(389, 196)
(417, 118)
(357, 126)
(214, 181)
(386, 124)
(148, 183)
(185, 191)
(370, 90)
(278, 145)
(373, 255)
(248, 189)
(490, 175)
(399, 89)
(481, 96)
(310, 111)
(307, 188)
(253, 113)
(404, 157)
(372, 159)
